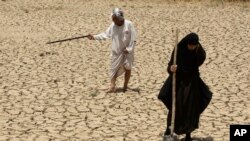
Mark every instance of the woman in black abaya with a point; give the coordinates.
(192, 94)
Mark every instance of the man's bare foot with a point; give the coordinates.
(125, 88)
(111, 90)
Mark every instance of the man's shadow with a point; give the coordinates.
(121, 90)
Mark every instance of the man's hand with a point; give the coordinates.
(91, 37)
(125, 51)
(173, 68)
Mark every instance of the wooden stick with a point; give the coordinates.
(67, 39)
(174, 86)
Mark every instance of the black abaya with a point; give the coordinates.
(192, 94)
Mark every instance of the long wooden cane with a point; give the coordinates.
(174, 86)
(68, 39)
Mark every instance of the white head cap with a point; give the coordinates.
(118, 13)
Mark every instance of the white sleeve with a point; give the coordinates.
(104, 35)
(132, 42)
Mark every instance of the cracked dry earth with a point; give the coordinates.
(57, 92)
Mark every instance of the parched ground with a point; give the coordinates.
(57, 92)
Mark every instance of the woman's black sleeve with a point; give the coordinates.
(201, 55)
(170, 62)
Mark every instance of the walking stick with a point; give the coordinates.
(174, 88)
(68, 39)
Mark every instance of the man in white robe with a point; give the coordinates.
(123, 35)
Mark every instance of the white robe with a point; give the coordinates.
(122, 37)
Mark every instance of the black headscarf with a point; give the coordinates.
(188, 61)
(191, 38)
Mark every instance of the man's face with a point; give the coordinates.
(117, 21)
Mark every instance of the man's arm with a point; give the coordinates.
(103, 36)
(132, 42)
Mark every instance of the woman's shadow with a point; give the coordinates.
(198, 139)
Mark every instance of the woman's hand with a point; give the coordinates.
(173, 68)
